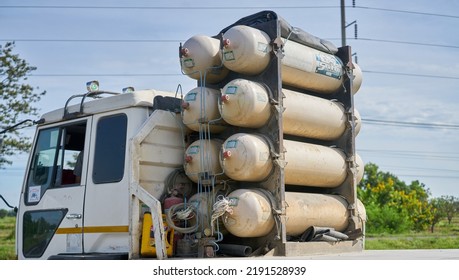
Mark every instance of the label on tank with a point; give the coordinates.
(231, 90)
(228, 56)
(328, 65)
(233, 201)
(193, 150)
(191, 96)
(188, 62)
(231, 144)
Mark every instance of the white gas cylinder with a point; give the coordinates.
(202, 156)
(200, 110)
(246, 103)
(251, 212)
(201, 58)
(247, 51)
(247, 157)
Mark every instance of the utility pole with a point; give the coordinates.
(344, 26)
(343, 23)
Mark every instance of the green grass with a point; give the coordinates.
(7, 237)
(412, 243)
(445, 236)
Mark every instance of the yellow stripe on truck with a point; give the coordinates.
(94, 229)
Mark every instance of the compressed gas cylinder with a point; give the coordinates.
(202, 159)
(246, 103)
(247, 51)
(200, 110)
(201, 59)
(203, 204)
(246, 157)
(251, 214)
(357, 78)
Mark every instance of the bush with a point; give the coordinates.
(384, 219)
(3, 213)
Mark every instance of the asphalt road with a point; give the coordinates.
(438, 254)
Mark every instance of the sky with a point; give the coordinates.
(408, 54)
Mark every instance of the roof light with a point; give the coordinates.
(92, 86)
(128, 90)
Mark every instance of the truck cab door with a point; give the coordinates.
(50, 218)
(107, 194)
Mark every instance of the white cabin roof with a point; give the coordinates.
(140, 98)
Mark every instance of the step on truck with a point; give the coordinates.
(257, 160)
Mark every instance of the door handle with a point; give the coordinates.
(73, 216)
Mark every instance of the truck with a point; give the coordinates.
(258, 160)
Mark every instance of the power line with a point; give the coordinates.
(407, 12)
(418, 157)
(221, 8)
(428, 176)
(452, 176)
(411, 74)
(96, 40)
(419, 168)
(107, 75)
(172, 74)
(412, 124)
(404, 42)
(182, 40)
(410, 154)
(164, 8)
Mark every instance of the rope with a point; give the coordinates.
(220, 207)
(183, 214)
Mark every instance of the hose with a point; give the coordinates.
(235, 250)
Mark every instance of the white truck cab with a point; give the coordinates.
(75, 196)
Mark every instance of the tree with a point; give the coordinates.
(17, 99)
(438, 211)
(3, 213)
(392, 205)
(450, 206)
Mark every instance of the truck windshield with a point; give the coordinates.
(56, 160)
